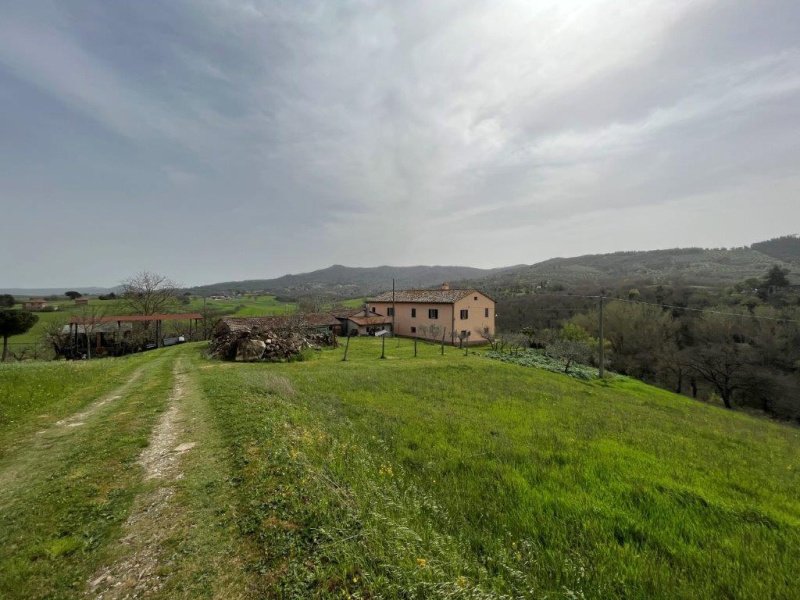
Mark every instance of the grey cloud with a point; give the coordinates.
(246, 138)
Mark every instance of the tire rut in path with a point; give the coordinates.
(137, 573)
(39, 446)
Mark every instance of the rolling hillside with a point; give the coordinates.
(432, 477)
(348, 282)
(693, 266)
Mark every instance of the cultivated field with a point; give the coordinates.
(454, 477)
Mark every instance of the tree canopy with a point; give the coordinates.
(15, 322)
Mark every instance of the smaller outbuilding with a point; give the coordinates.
(364, 321)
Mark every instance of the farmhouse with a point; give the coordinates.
(455, 315)
(82, 301)
(35, 304)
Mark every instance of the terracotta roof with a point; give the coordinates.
(346, 312)
(236, 324)
(356, 312)
(370, 320)
(425, 296)
(136, 318)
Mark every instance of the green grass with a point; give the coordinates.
(247, 306)
(36, 394)
(431, 477)
(62, 514)
(466, 477)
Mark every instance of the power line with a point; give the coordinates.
(673, 306)
(707, 310)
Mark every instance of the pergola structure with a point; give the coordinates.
(76, 322)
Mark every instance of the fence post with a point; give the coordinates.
(346, 346)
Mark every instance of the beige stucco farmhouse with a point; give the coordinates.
(433, 314)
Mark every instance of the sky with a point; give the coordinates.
(217, 140)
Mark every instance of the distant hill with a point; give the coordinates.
(348, 282)
(28, 292)
(693, 266)
(786, 248)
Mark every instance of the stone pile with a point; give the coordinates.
(267, 345)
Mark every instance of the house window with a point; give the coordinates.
(464, 314)
(486, 312)
(433, 313)
(390, 311)
(413, 330)
(413, 313)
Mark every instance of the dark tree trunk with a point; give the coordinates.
(5, 347)
(726, 398)
(693, 383)
(679, 383)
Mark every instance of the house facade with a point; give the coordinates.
(456, 315)
(35, 304)
(363, 321)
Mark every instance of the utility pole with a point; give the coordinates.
(394, 333)
(602, 343)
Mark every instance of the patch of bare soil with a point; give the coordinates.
(140, 571)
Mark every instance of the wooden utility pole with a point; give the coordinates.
(602, 347)
(394, 333)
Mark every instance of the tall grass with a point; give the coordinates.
(465, 477)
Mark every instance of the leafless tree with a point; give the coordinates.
(430, 332)
(310, 304)
(90, 317)
(149, 293)
(486, 334)
(53, 336)
(515, 341)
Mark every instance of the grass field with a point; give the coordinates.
(439, 476)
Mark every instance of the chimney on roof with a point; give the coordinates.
(446, 285)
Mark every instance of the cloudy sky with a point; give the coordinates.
(228, 139)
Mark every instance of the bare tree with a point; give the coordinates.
(90, 317)
(149, 293)
(487, 335)
(54, 336)
(430, 332)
